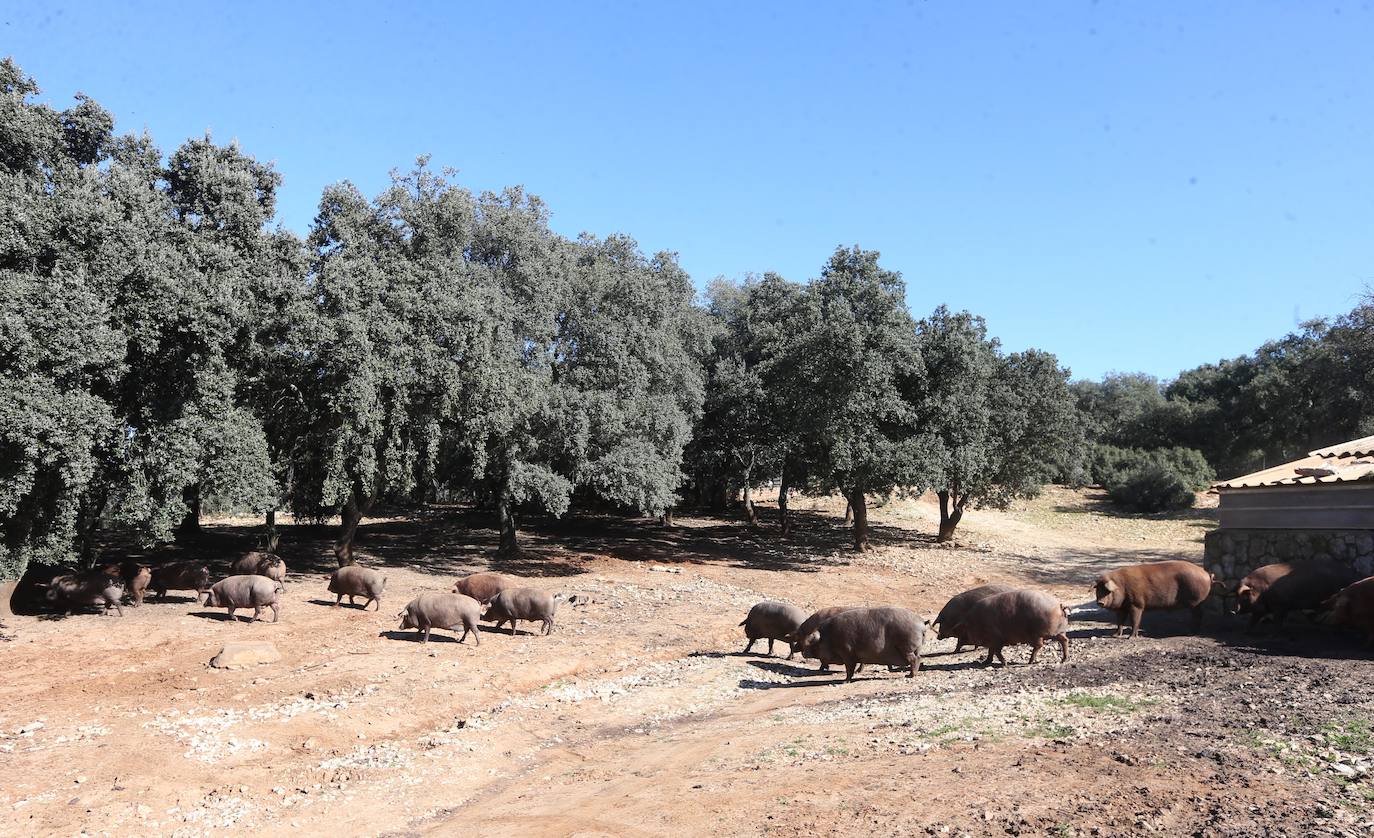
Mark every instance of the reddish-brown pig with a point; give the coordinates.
(483, 586)
(953, 612)
(1130, 590)
(1013, 618)
(1353, 608)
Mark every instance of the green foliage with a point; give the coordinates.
(1003, 426)
(1151, 480)
(1152, 487)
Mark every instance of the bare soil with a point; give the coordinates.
(640, 716)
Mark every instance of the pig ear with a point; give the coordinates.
(1110, 585)
(1242, 590)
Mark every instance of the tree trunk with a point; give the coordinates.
(666, 519)
(949, 517)
(189, 527)
(848, 512)
(88, 524)
(784, 523)
(720, 496)
(352, 515)
(859, 505)
(509, 547)
(272, 538)
(748, 499)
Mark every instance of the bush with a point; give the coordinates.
(1152, 488)
(1153, 480)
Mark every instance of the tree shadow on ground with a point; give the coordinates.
(454, 540)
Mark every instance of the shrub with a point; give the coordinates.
(1153, 480)
(1153, 487)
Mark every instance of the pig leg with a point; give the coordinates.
(770, 647)
(230, 609)
(1136, 613)
(352, 601)
(1063, 646)
(512, 626)
(749, 646)
(825, 667)
(1120, 623)
(1197, 618)
(371, 600)
(848, 671)
(1035, 649)
(426, 637)
(257, 613)
(276, 611)
(988, 660)
(548, 627)
(915, 660)
(338, 598)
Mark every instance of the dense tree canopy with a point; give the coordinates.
(165, 349)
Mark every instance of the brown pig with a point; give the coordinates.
(797, 639)
(136, 578)
(885, 634)
(774, 621)
(1353, 608)
(355, 580)
(444, 611)
(261, 564)
(483, 586)
(247, 590)
(953, 612)
(514, 604)
(1130, 590)
(1276, 589)
(87, 587)
(1012, 618)
(180, 576)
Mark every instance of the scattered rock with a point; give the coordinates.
(244, 653)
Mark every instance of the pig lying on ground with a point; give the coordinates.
(261, 564)
(87, 587)
(443, 611)
(483, 586)
(1130, 590)
(774, 621)
(136, 578)
(1276, 589)
(953, 612)
(246, 591)
(514, 604)
(886, 634)
(180, 576)
(1015, 617)
(797, 639)
(355, 580)
(1353, 608)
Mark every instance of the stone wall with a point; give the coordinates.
(1233, 553)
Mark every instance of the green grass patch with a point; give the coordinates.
(1110, 703)
(1353, 736)
(1050, 730)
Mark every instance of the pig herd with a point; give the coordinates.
(257, 580)
(997, 616)
(991, 616)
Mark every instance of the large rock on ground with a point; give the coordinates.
(243, 653)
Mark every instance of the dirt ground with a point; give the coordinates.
(640, 716)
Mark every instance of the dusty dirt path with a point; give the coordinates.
(638, 716)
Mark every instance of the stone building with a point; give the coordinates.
(1319, 507)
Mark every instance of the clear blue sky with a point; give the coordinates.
(1133, 186)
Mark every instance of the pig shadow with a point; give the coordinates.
(239, 616)
(779, 668)
(356, 606)
(416, 637)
